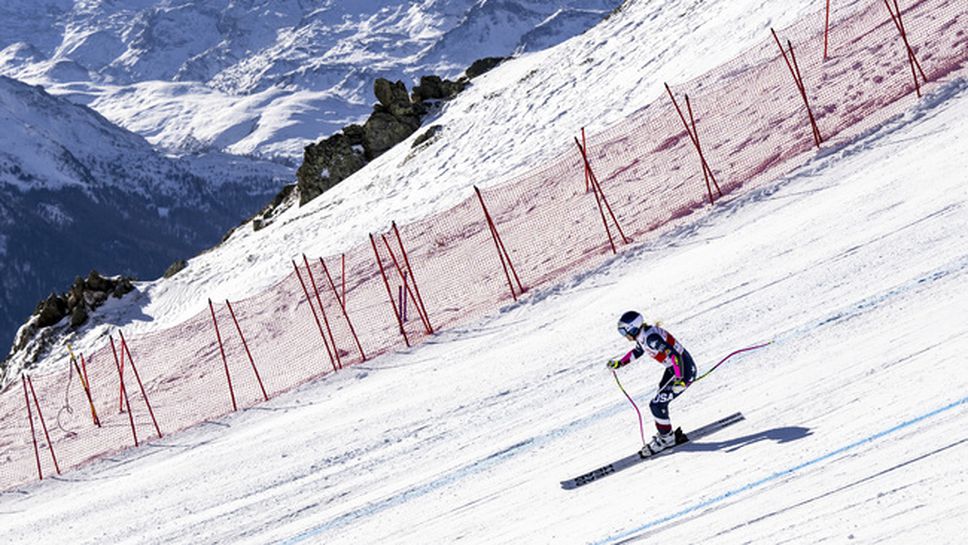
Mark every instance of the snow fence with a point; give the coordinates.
(743, 124)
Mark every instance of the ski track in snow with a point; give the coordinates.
(625, 537)
(950, 270)
(855, 266)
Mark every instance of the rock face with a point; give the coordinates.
(84, 295)
(330, 161)
(481, 66)
(175, 268)
(395, 117)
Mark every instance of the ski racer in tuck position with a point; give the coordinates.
(680, 371)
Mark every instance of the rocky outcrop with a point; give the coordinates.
(330, 161)
(48, 323)
(395, 117)
(175, 268)
(85, 294)
(481, 66)
(434, 88)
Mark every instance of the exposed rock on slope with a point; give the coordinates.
(395, 117)
(77, 193)
(60, 314)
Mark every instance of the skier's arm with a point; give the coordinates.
(634, 354)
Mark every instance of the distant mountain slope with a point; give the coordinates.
(77, 192)
(279, 73)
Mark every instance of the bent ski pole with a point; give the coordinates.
(730, 355)
(636, 407)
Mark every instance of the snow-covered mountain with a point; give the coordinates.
(855, 266)
(79, 193)
(279, 73)
(203, 79)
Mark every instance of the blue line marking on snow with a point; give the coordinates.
(777, 475)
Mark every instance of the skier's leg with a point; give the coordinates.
(660, 404)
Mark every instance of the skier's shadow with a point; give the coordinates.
(780, 435)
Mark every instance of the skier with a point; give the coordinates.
(679, 373)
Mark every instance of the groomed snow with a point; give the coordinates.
(856, 267)
(512, 119)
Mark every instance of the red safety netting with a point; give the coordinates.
(750, 121)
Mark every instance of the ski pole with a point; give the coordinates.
(730, 355)
(636, 407)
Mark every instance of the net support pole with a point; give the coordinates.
(225, 361)
(386, 283)
(43, 424)
(413, 278)
(502, 252)
(826, 30)
(319, 325)
(912, 58)
(141, 386)
(707, 171)
(342, 303)
(405, 289)
(124, 391)
(245, 345)
(600, 199)
(82, 374)
(322, 310)
(794, 68)
(33, 430)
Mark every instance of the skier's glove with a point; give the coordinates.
(614, 364)
(679, 386)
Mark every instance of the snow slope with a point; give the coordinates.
(855, 267)
(280, 73)
(79, 193)
(512, 118)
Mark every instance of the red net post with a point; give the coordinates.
(502, 252)
(413, 278)
(124, 391)
(826, 30)
(43, 424)
(912, 58)
(121, 392)
(791, 63)
(396, 312)
(225, 361)
(265, 397)
(33, 430)
(707, 171)
(322, 310)
(600, 199)
(319, 325)
(405, 289)
(342, 303)
(141, 386)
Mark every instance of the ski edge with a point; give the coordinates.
(628, 461)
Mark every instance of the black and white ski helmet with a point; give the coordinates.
(630, 323)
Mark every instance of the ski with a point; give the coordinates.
(634, 459)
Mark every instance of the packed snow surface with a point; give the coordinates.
(855, 267)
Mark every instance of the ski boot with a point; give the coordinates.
(660, 442)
